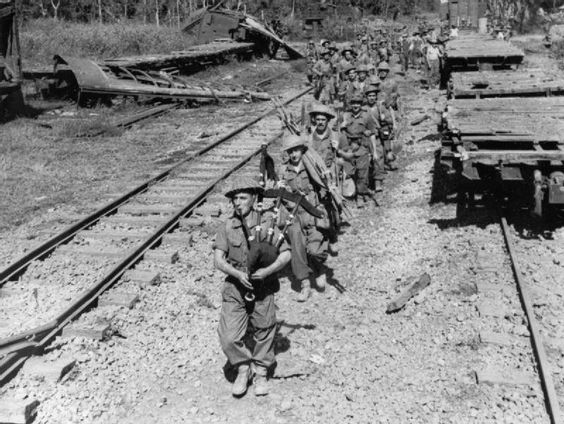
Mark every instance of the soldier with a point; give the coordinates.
(323, 140)
(384, 116)
(356, 164)
(323, 74)
(347, 60)
(358, 122)
(383, 52)
(433, 60)
(309, 241)
(230, 256)
(378, 161)
(349, 86)
(373, 52)
(362, 75)
(389, 90)
(311, 57)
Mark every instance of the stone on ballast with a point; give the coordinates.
(14, 411)
(165, 257)
(95, 331)
(49, 371)
(144, 278)
(118, 299)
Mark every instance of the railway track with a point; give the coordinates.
(85, 260)
(538, 328)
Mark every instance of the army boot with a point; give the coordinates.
(306, 291)
(242, 381)
(260, 382)
(378, 186)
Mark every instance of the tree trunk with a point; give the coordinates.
(55, 5)
(100, 17)
(157, 15)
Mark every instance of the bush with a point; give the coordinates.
(41, 39)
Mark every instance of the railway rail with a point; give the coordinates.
(177, 191)
(544, 368)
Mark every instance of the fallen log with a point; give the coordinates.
(411, 291)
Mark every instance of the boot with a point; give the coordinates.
(305, 292)
(261, 385)
(378, 186)
(242, 381)
(321, 281)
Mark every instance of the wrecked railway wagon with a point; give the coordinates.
(10, 61)
(212, 23)
(508, 146)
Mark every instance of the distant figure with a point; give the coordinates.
(453, 32)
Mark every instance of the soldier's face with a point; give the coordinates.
(355, 107)
(243, 203)
(348, 55)
(321, 122)
(361, 76)
(295, 155)
(371, 98)
(352, 75)
(383, 74)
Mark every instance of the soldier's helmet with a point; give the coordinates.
(292, 141)
(320, 109)
(357, 98)
(372, 88)
(243, 184)
(363, 68)
(348, 68)
(347, 48)
(383, 66)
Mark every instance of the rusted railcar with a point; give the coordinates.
(212, 23)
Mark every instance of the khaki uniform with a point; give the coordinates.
(305, 237)
(360, 124)
(235, 312)
(324, 71)
(322, 144)
(359, 166)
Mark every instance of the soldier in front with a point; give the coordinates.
(231, 250)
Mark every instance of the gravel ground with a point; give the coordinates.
(341, 358)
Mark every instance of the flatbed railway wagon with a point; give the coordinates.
(512, 147)
(10, 61)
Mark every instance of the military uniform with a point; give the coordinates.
(358, 166)
(235, 311)
(323, 70)
(297, 179)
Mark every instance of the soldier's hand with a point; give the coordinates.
(335, 144)
(367, 133)
(244, 280)
(259, 274)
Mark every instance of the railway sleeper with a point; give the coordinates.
(142, 209)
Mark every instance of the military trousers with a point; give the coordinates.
(434, 72)
(378, 164)
(307, 243)
(234, 320)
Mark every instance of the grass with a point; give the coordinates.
(41, 39)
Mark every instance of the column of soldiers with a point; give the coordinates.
(353, 125)
(360, 96)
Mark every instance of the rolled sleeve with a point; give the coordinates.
(220, 242)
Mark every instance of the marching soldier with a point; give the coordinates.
(323, 73)
(310, 238)
(358, 123)
(389, 89)
(323, 140)
(348, 59)
(311, 57)
(231, 257)
(349, 86)
(378, 158)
